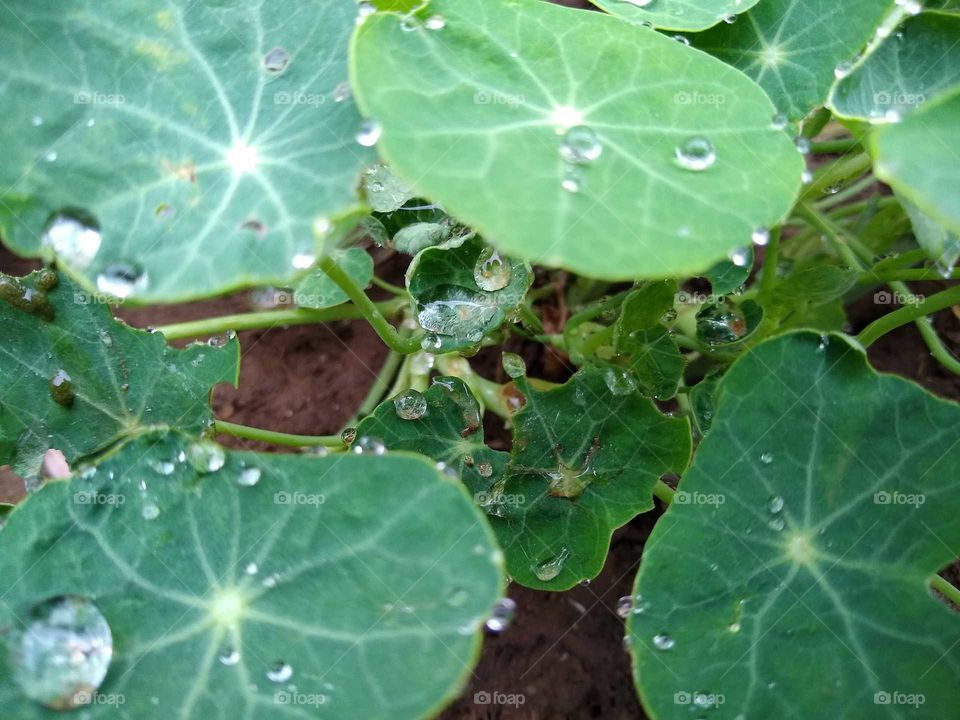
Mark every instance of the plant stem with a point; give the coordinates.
(833, 232)
(387, 332)
(664, 492)
(946, 589)
(389, 287)
(770, 259)
(880, 327)
(835, 147)
(936, 346)
(380, 386)
(277, 438)
(272, 318)
(910, 274)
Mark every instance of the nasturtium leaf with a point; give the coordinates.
(645, 307)
(584, 462)
(384, 191)
(809, 287)
(703, 397)
(463, 291)
(905, 71)
(202, 142)
(727, 275)
(689, 15)
(917, 157)
(644, 346)
(350, 586)
(317, 291)
(411, 239)
(443, 423)
(74, 378)
(816, 510)
(793, 47)
(544, 127)
(940, 245)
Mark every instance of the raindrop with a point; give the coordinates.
(457, 597)
(342, 92)
(435, 22)
(303, 261)
(911, 7)
(663, 641)
(775, 505)
(251, 568)
(51, 156)
(766, 458)
(276, 60)
(729, 19)
(150, 511)
(549, 569)
(619, 382)
(367, 445)
(842, 70)
(740, 257)
(780, 121)
(410, 405)
(682, 39)
(803, 145)
(348, 435)
(121, 280)
(625, 606)
(777, 524)
(163, 467)
(571, 181)
(280, 672)
(696, 154)
(722, 322)
(513, 365)
(62, 655)
(206, 456)
(249, 476)
(502, 616)
(448, 470)
(36, 121)
(230, 656)
(485, 469)
(74, 236)
(580, 146)
(364, 10)
(761, 236)
(491, 272)
(639, 3)
(61, 388)
(806, 177)
(369, 133)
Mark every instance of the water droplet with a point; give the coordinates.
(780, 121)
(806, 177)
(682, 39)
(485, 469)
(51, 156)
(721, 322)
(580, 146)
(410, 405)
(61, 388)
(304, 261)
(122, 280)
(639, 3)
(491, 272)
(571, 181)
(342, 92)
(448, 470)
(206, 456)
(150, 511)
(501, 616)
(369, 133)
(842, 70)
(734, 627)
(249, 476)
(348, 435)
(766, 458)
(74, 236)
(803, 145)
(761, 236)
(367, 445)
(662, 641)
(775, 505)
(276, 60)
(777, 524)
(251, 568)
(625, 606)
(740, 257)
(696, 154)
(549, 569)
(513, 365)
(619, 382)
(229, 657)
(280, 672)
(36, 121)
(911, 7)
(62, 655)
(435, 22)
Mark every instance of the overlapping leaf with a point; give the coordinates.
(318, 291)
(73, 378)
(819, 505)
(544, 127)
(339, 587)
(202, 139)
(676, 14)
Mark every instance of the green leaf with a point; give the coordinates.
(905, 71)
(367, 577)
(206, 142)
(726, 276)
(584, 462)
(792, 47)
(818, 507)
(940, 245)
(676, 14)
(442, 423)
(703, 397)
(317, 291)
(544, 127)
(810, 286)
(75, 379)
(645, 307)
(653, 358)
(464, 291)
(917, 157)
(384, 191)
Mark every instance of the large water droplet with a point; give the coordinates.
(549, 569)
(435, 22)
(276, 60)
(662, 641)
(696, 154)
(410, 405)
(249, 476)
(74, 236)
(369, 133)
(491, 272)
(502, 616)
(121, 280)
(513, 365)
(580, 146)
(722, 322)
(775, 505)
(62, 655)
(206, 456)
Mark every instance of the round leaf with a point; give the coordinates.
(689, 15)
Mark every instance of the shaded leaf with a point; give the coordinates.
(726, 276)
(676, 14)
(317, 291)
(384, 191)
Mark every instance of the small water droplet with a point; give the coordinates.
(229, 657)
(485, 469)
(62, 655)
(580, 146)
(571, 181)
(121, 280)
(491, 272)
(842, 70)
(206, 456)
(150, 511)
(777, 524)
(74, 236)
(775, 505)
(803, 145)
(761, 236)
(662, 641)
(780, 121)
(342, 92)
(639, 3)
(369, 133)
(51, 156)
(251, 569)
(625, 606)
(740, 257)
(501, 616)
(304, 261)
(766, 458)
(682, 39)
(276, 60)
(410, 405)
(367, 445)
(551, 568)
(696, 154)
(280, 672)
(36, 121)
(249, 476)
(619, 381)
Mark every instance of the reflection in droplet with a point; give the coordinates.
(696, 154)
(121, 280)
(580, 146)
(502, 616)
(410, 405)
(369, 133)
(280, 672)
(551, 568)
(206, 456)
(276, 60)
(491, 271)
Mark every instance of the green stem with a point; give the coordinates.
(908, 275)
(839, 172)
(816, 123)
(380, 386)
(770, 259)
(387, 332)
(277, 438)
(908, 314)
(938, 349)
(389, 287)
(946, 589)
(835, 147)
(272, 318)
(664, 492)
(834, 233)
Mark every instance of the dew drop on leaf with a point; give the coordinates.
(230, 656)
(491, 271)
(696, 154)
(206, 456)
(777, 524)
(485, 469)
(369, 133)
(580, 145)
(249, 476)
(780, 121)
(740, 257)
(549, 569)
(280, 672)
(61, 388)
(62, 655)
(761, 236)
(410, 405)
(640, 3)
(367, 445)
(435, 22)
(766, 458)
(662, 641)
(150, 511)
(502, 616)
(619, 381)
(276, 60)
(342, 92)
(572, 181)
(122, 280)
(625, 606)
(721, 322)
(74, 236)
